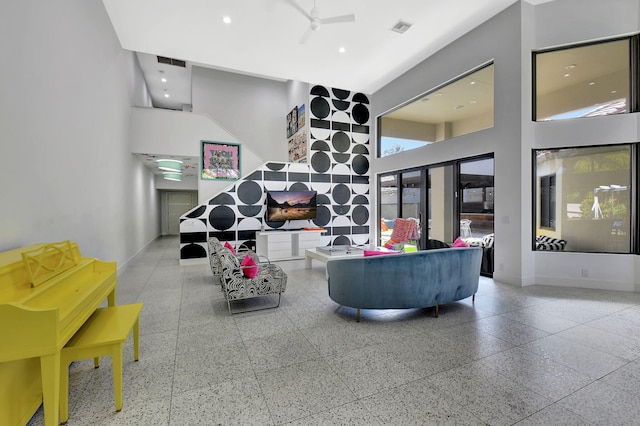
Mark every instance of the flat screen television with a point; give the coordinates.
(291, 205)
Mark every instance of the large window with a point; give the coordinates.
(584, 197)
(584, 81)
(457, 108)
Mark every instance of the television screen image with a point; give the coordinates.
(291, 205)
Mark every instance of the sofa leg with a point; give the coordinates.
(436, 311)
(473, 298)
(358, 315)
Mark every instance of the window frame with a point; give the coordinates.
(634, 228)
(634, 70)
(433, 90)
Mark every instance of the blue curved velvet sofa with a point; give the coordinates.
(408, 280)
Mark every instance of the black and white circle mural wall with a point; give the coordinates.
(339, 133)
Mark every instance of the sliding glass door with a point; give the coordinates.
(476, 197)
(449, 200)
(441, 205)
(388, 205)
(400, 196)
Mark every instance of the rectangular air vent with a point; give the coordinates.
(171, 61)
(401, 26)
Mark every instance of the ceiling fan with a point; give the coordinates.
(315, 21)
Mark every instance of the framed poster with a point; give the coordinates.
(298, 148)
(292, 122)
(301, 117)
(220, 161)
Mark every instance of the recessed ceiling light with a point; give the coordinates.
(614, 91)
(226, 20)
(570, 67)
(567, 75)
(472, 82)
(166, 95)
(592, 83)
(164, 80)
(438, 94)
(342, 50)
(473, 102)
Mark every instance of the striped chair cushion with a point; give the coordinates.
(487, 240)
(549, 243)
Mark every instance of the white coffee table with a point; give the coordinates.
(310, 254)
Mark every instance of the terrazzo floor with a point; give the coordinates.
(527, 356)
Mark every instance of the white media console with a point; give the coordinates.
(286, 245)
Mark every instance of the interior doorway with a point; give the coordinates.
(174, 205)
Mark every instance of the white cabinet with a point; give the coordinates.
(286, 245)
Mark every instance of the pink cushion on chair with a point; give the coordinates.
(230, 247)
(249, 267)
(459, 242)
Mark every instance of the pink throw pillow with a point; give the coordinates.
(249, 267)
(379, 252)
(459, 242)
(230, 247)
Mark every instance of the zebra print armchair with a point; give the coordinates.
(215, 246)
(271, 279)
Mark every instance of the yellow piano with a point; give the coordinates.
(47, 291)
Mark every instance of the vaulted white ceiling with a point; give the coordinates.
(264, 38)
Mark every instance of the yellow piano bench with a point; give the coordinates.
(103, 334)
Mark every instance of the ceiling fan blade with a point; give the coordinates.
(339, 19)
(299, 8)
(306, 36)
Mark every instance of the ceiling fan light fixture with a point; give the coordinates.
(173, 166)
(176, 177)
(315, 21)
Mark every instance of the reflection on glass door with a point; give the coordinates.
(476, 198)
(388, 185)
(411, 199)
(440, 205)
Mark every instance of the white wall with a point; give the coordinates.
(497, 40)
(559, 23)
(297, 95)
(509, 38)
(67, 170)
(169, 132)
(252, 109)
